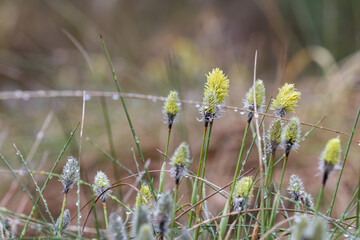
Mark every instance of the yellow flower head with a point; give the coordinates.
(172, 104)
(331, 152)
(260, 96)
(219, 83)
(286, 100)
(180, 162)
(244, 188)
(143, 197)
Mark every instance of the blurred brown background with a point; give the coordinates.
(157, 46)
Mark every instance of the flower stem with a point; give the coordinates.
(319, 199)
(224, 221)
(163, 167)
(105, 216)
(194, 192)
(174, 213)
(62, 214)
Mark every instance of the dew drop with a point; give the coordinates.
(77, 203)
(358, 143)
(87, 97)
(26, 97)
(154, 99)
(242, 112)
(256, 115)
(40, 135)
(206, 107)
(128, 213)
(18, 93)
(236, 110)
(115, 97)
(80, 216)
(179, 104)
(137, 139)
(197, 105)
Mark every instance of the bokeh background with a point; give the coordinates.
(157, 46)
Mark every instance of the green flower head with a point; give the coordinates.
(296, 187)
(314, 229)
(307, 200)
(286, 100)
(260, 96)
(180, 161)
(331, 152)
(274, 136)
(243, 192)
(101, 183)
(330, 158)
(145, 233)
(65, 222)
(216, 89)
(162, 213)
(143, 197)
(116, 228)
(171, 107)
(141, 217)
(290, 135)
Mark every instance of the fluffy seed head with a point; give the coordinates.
(290, 135)
(145, 233)
(244, 191)
(162, 213)
(286, 100)
(171, 107)
(274, 136)
(65, 222)
(331, 153)
(116, 230)
(143, 197)
(315, 229)
(101, 183)
(70, 174)
(307, 200)
(296, 187)
(180, 161)
(141, 217)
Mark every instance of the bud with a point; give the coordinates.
(307, 200)
(295, 188)
(162, 213)
(101, 183)
(290, 135)
(141, 217)
(65, 222)
(145, 233)
(70, 174)
(116, 229)
(244, 191)
(171, 107)
(180, 162)
(274, 136)
(330, 157)
(310, 230)
(249, 102)
(143, 197)
(286, 100)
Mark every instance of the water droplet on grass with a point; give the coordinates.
(154, 99)
(236, 110)
(242, 112)
(87, 97)
(115, 97)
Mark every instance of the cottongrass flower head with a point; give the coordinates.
(101, 183)
(274, 136)
(143, 197)
(315, 229)
(295, 188)
(145, 233)
(116, 230)
(291, 135)
(180, 162)
(65, 222)
(216, 89)
(249, 101)
(244, 191)
(171, 107)
(330, 158)
(307, 200)
(286, 100)
(70, 174)
(140, 218)
(162, 213)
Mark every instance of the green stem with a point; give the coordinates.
(136, 139)
(319, 199)
(62, 214)
(224, 221)
(194, 192)
(196, 233)
(282, 173)
(163, 167)
(105, 216)
(357, 206)
(94, 212)
(174, 213)
(343, 165)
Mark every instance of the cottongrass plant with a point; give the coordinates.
(163, 212)
(116, 230)
(100, 186)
